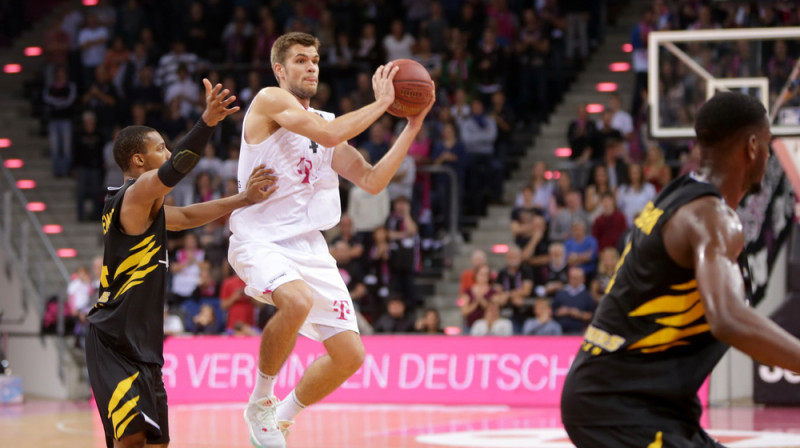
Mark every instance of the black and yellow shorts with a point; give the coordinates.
(130, 395)
(640, 437)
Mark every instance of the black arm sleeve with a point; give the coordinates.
(187, 154)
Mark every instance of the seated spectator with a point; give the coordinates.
(355, 243)
(185, 270)
(205, 321)
(173, 324)
(581, 138)
(515, 283)
(656, 170)
(210, 164)
(633, 196)
(621, 120)
(475, 300)
(561, 223)
(378, 275)
(615, 164)
(206, 295)
(573, 306)
(610, 225)
(476, 260)
(581, 249)
(395, 320)
(492, 324)
(534, 253)
(609, 257)
(353, 275)
(525, 203)
(543, 189)
(240, 308)
(599, 184)
(557, 271)
(542, 324)
(186, 91)
(398, 44)
(404, 250)
(430, 322)
(605, 132)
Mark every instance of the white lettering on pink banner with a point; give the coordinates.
(526, 371)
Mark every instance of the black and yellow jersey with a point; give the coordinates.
(129, 314)
(649, 347)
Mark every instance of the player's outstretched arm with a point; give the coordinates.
(374, 178)
(716, 239)
(139, 206)
(275, 103)
(260, 186)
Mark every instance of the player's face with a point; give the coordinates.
(762, 139)
(156, 152)
(302, 71)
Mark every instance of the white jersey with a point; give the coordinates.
(308, 195)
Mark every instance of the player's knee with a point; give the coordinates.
(298, 308)
(353, 360)
(137, 440)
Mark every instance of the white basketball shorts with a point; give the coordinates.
(265, 266)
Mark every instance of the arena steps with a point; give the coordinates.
(494, 227)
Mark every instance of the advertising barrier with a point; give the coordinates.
(522, 371)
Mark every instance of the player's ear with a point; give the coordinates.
(752, 146)
(137, 160)
(278, 70)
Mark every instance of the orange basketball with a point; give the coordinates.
(412, 88)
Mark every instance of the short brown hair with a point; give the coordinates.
(285, 41)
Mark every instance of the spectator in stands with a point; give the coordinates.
(531, 51)
(515, 283)
(240, 307)
(638, 40)
(633, 196)
(557, 270)
(492, 323)
(369, 53)
(238, 44)
(561, 223)
(607, 132)
(484, 171)
(196, 308)
(376, 146)
(102, 99)
(691, 162)
(402, 184)
(113, 173)
(230, 166)
(87, 160)
(490, 65)
(525, 202)
(503, 115)
(779, 67)
(168, 64)
(471, 23)
(149, 95)
(196, 32)
(656, 171)
(173, 324)
(457, 71)
(429, 323)
(467, 279)
(185, 91)
(205, 321)
(609, 257)
(615, 164)
(352, 273)
(92, 40)
(210, 164)
(542, 324)
(430, 60)
(79, 293)
(398, 43)
(404, 253)
(573, 307)
(609, 227)
(116, 56)
(535, 251)
(59, 97)
(55, 49)
(367, 211)
(435, 27)
(185, 270)
(581, 137)
(355, 242)
(206, 187)
(581, 249)
(478, 296)
(448, 151)
(704, 20)
(396, 319)
(597, 187)
(378, 272)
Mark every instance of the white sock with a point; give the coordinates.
(265, 386)
(289, 407)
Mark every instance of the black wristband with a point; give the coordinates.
(177, 167)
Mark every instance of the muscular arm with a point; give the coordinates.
(195, 215)
(715, 239)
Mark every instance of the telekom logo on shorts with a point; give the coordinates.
(342, 307)
(304, 167)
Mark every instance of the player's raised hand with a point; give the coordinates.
(217, 102)
(382, 83)
(416, 120)
(260, 185)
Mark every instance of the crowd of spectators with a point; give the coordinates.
(569, 226)
(123, 62)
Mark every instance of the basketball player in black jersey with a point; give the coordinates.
(678, 299)
(124, 344)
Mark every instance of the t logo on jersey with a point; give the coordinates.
(304, 167)
(342, 307)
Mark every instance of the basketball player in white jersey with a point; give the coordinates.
(277, 247)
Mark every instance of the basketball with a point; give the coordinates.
(412, 88)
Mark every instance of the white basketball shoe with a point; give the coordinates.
(265, 432)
